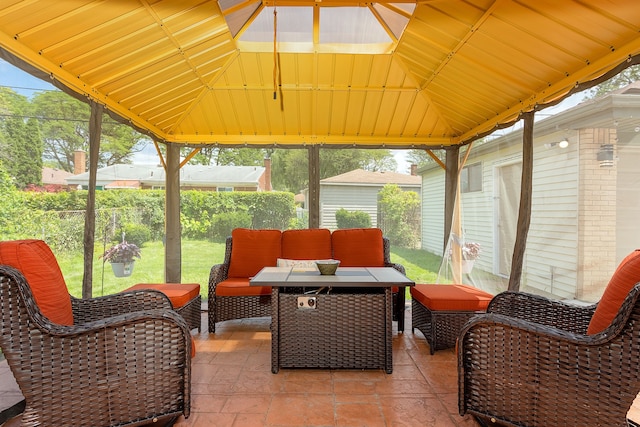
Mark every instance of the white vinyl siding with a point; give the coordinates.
(550, 259)
(433, 212)
(552, 244)
(351, 198)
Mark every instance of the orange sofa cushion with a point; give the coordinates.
(252, 250)
(39, 266)
(312, 243)
(358, 247)
(451, 297)
(239, 287)
(180, 294)
(625, 277)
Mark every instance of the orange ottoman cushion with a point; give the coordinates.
(179, 293)
(358, 247)
(314, 243)
(451, 297)
(252, 250)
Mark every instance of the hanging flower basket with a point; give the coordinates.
(470, 251)
(122, 258)
(122, 269)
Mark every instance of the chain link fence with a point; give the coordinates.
(64, 230)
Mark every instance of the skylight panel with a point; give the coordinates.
(295, 24)
(355, 28)
(395, 21)
(354, 25)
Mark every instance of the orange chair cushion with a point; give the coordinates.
(252, 250)
(39, 266)
(625, 277)
(312, 243)
(451, 297)
(239, 287)
(180, 294)
(358, 247)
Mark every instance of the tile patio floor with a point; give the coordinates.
(232, 385)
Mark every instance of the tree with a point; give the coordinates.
(222, 156)
(119, 143)
(64, 123)
(399, 212)
(26, 156)
(65, 130)
(290, 170)
(20, 144)
(620, 80)
(291, 166)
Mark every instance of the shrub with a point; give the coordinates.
(222, 224)
(399, 217)
(355, 219)
(137, 234)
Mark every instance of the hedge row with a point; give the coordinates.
(59, 217)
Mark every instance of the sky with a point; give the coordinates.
(25, 84)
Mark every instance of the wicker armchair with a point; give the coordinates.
(530, 362)
(125, 360)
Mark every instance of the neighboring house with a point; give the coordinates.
(192, 177)
(358, 191)
(55, 178)
(585, 201)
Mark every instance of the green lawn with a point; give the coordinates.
(197, 258)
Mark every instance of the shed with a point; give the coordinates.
(358, 190)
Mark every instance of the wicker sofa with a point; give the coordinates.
(532, 361)
(248, 251)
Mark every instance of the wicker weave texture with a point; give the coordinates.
(344, 331)
(440, 328)
(120, 370)
(191, 313)
(531, 374)
(223, 308)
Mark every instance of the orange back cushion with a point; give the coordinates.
(312, 243)
(358, 247)
(625, 277)
(39, 266)
(251, 250)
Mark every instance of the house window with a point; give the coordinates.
(471, 178)
(225, 188)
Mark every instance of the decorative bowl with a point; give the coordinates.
(328, 267)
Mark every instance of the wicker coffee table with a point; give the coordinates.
(342, 321)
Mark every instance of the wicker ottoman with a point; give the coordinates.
(440, 311)
(185, 298)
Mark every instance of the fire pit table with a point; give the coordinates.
(331, 321)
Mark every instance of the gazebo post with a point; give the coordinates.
(524, 214)
(452, 164)
(173, 244)
(314, 186)
(95, 129)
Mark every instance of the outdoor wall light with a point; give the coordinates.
(562, 144)
(605, 155)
